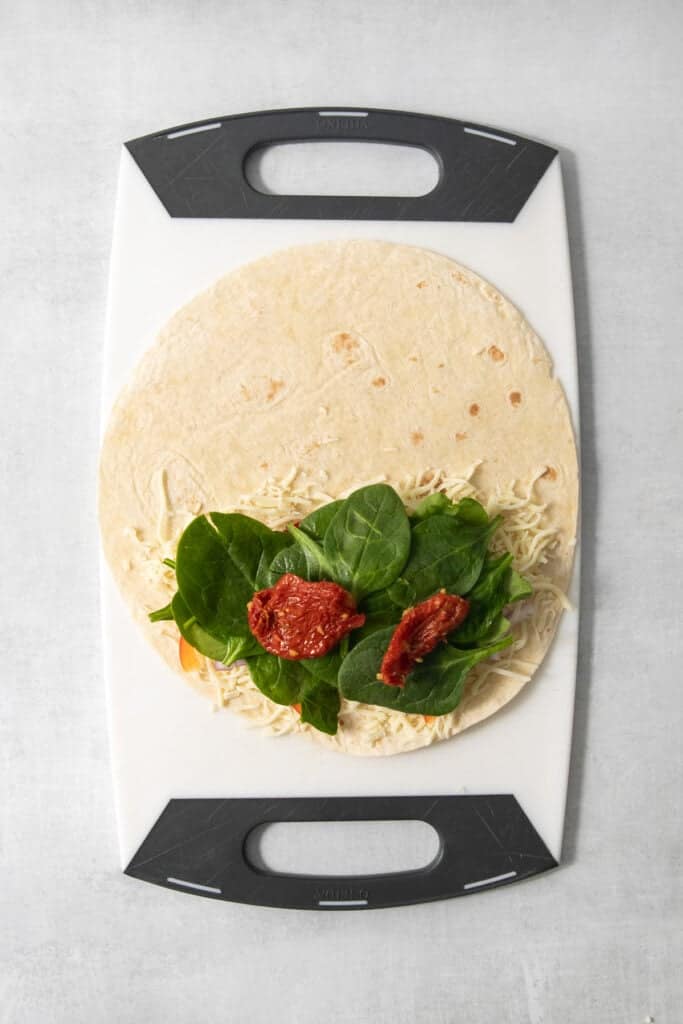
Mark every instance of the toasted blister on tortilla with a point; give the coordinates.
(308, 373)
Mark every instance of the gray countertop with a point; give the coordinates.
(597, 940)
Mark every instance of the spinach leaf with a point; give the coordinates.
(518, 587)
(470, 511)
(291, 559)
(317, 565)
(226, 651)
(220, 562)
(445, 553)
(282, 681)
(467, 510)
(434, 687)
(164, 614)
(433, 505)
(368, 541)
(379, 611)
(305, 558)
(289, 682)
(403, 592)
(317, 523)
(326, 668)
(320, 705)
(487, 599)
(499, 628)
(498, 586)
(437, 537)
(296, 558)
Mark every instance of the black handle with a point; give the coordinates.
(199, 846)
(197, 170)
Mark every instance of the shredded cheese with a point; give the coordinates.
(524, 532)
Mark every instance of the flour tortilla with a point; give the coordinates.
(352, 361)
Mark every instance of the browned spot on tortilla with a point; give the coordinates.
(461, 436)
(417, 437)
(474, 409)
(515, 397)
(496, 354)
(274, 388)
(344, 343)
(457, 276)
(435, 390)
(413, 359)
(421, 284)
(550, 473)
(379, 382)
(263, 465)
(440, 366)
(246, 393)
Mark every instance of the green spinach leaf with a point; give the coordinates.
(518, 588)
(297, 558)
(291, 559)
(326, 668)
(434, 687)
(220, 562)
(380, 611)
(433, 505)
(487, 599)
(470, 511)
(499, 628)
(467, 510)
(290, 682)
(317, 565)
(282, 681)
(445, 554)
(227, 651)
(498, 586)
(316, 524)
(320, 705)
(368, 541)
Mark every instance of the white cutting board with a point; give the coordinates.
(165, 740)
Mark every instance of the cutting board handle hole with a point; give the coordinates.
(342, 168)
(344, 848)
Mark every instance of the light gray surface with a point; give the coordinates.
(596, 940)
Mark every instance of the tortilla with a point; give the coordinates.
(311, 372)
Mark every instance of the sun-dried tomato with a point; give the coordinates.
(418, 633)
(296, 619)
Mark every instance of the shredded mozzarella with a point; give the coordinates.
(524, 532)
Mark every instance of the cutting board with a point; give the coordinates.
(191, 785)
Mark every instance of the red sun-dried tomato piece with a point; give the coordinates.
(296, 619)
(418, 633)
